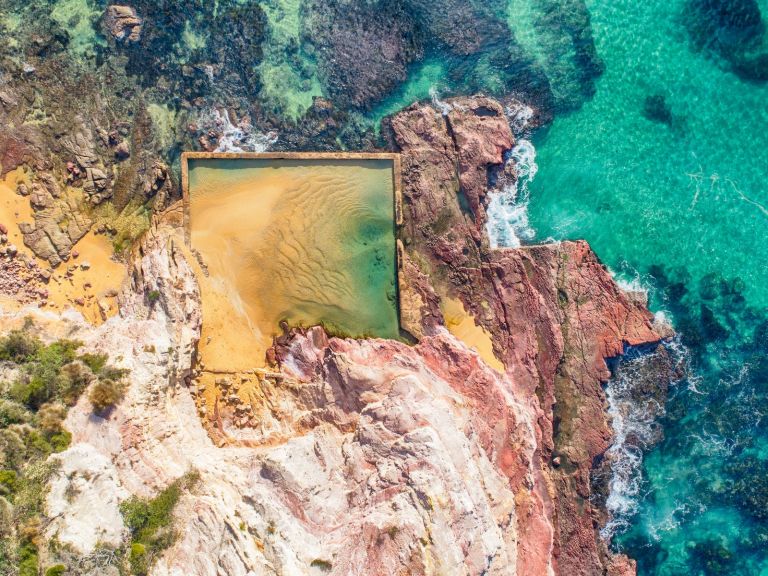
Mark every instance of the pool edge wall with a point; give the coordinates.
(396, 180)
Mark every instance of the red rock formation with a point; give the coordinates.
(123, 23)
(555, 316)
(18, 146)
(481, 135)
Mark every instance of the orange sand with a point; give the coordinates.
(463, 327)
(282, 244)
(104, 276)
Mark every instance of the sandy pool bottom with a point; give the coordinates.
(302, 242)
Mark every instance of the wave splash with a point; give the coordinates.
(441, 105)
(236, 137)
(507, 225)
(635, 406)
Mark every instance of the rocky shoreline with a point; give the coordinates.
(373, 455)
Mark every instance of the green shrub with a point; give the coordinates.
(145, 517)
(44, 378)
(50, 418)
(32, 412)
(150, 523)
(61, 441)
(105, 394)
(19, 346)
(56, 570)
(12, 413)
(8, 482)
(135, 513)
(28, 566)
(36, 444)
(33, 392)
(28, 562)
(138, 559)
(12, 448)
(96, 362)
(74, 379)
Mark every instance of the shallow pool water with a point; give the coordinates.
(302, 241)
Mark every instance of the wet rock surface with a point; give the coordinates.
(359, 61)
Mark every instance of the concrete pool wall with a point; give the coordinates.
(305, 238)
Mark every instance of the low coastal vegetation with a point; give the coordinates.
(39, 382)
(150, 523)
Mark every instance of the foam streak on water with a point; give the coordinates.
(634, 423)
(441, 105)
(508, 224)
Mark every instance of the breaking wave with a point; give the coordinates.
(508, 224)
(520, 116)
(635, 418)
(635, 429)
(441, 105)
(236, 137)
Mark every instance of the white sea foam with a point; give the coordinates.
(631, 284)
(519, 116)
(441, 105)
(634, 429)
(508, 224)
(240, 137)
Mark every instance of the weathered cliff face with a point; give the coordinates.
(374, 456)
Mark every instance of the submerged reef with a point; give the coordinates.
(732, 30)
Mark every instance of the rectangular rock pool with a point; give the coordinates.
(305, 239)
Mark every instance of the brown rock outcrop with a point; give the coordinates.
(58, 222)
(123, 23)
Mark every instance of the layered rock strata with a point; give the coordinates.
(374, 456)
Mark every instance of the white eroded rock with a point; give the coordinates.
(387, 464)
(84, 499)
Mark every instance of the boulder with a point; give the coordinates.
(123, 24)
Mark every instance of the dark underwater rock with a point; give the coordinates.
(461, 26)
(656, 109)
(238, 35)
(568, 57)
(732, 30)
(726, 25)
(363, 49)
(749, 488)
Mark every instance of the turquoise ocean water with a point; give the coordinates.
(664, 171)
